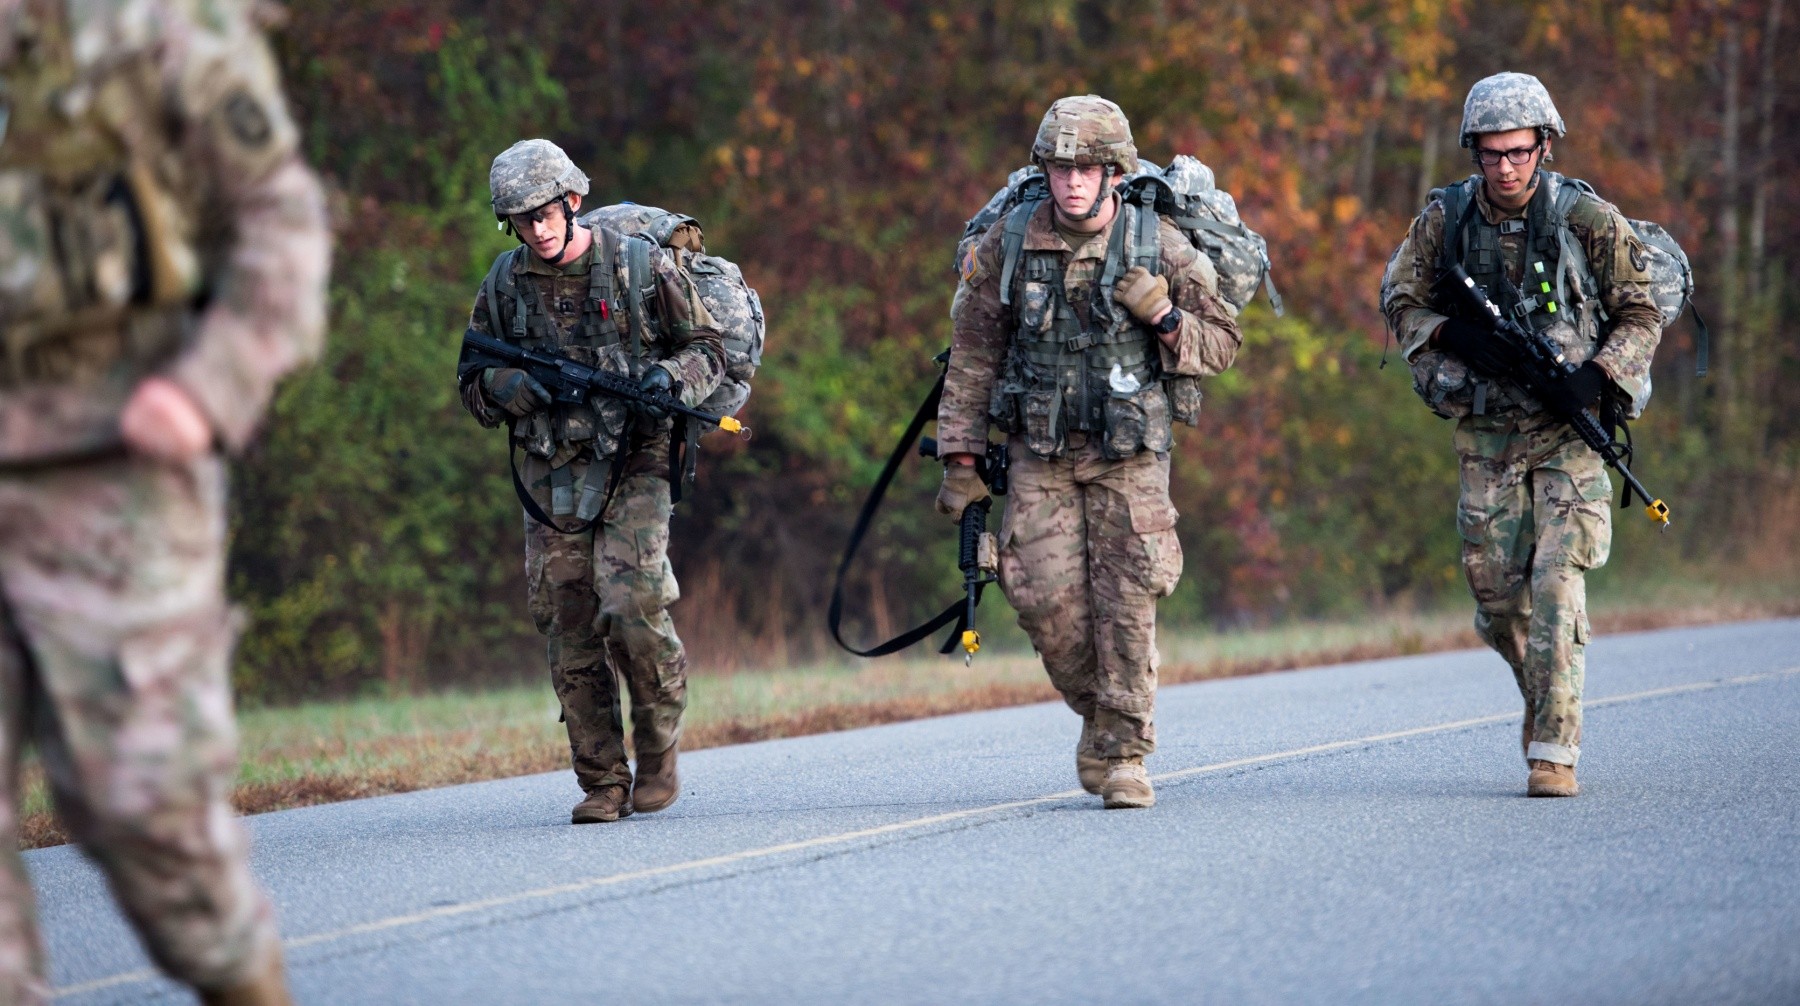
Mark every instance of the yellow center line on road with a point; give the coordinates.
(841, 838)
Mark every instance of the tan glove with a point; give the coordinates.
(687, 237)
(1144, 295)
(962, 486)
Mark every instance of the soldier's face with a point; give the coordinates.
(546, 230)
(1075, 187)
(1509, 184)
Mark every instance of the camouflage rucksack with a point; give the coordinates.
(720, 283)
(1185, 194)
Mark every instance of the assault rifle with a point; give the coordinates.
(1539, 365)
(978, 552)
(572, 383)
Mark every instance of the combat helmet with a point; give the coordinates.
(1086, 129)
(531, 173)
(1508, 101)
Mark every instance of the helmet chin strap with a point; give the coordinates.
(568, 229)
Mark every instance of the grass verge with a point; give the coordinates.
(325, 752)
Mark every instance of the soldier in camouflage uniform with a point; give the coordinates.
(599, 584)
(1087, 378)
(1534, 508)
(162, 263)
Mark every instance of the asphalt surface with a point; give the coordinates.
(1348, 834)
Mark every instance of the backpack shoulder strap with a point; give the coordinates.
(1572, 257)
(500, 290)
(1012, 245)
(640, 284)
(1459, 200)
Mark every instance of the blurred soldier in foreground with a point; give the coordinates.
(599, 579)
(1534, 508)
(1085, 358)
(163, 263)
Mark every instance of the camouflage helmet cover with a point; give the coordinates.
(1508, 101)
(529, 174)
(1085, 129)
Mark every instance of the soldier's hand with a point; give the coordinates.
(1144, 295)
(1476, 346)
(515, 391)
(962, 486)
(162, 420)
(657, 381)
(1580, 390)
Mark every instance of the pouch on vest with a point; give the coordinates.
(1136, 421)
(1184, 398)
(1042, 422)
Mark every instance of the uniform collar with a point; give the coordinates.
(1041, 235)
(1494, 214)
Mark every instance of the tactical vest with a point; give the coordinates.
(99, 263)
(1559, 295)
(1077, 361)
(517, 312)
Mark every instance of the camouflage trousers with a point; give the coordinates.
(1087, 546)
(114, 663)
(1534, 517)
(601, 600)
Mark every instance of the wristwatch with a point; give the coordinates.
(1170, 322)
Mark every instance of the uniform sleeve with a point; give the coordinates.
(977, 350)
(1208, 339)
(1406, 288)
(696, 348)
(266, 315)
(1617, 258)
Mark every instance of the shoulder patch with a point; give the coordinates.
(968, 267)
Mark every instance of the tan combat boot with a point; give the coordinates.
(657, 784)
(1127, 784)
(1550, 779)
(1090, 768)
(268, 987)
(608, 803)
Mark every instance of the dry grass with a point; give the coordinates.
(323, 753)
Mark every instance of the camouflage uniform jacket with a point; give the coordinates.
(1615, 258)
(210, 269)
(686, 343)
(1207, 342)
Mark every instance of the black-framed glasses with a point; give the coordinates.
(1517, 155)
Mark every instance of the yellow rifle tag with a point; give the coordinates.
(1659, 512)
(971, 641)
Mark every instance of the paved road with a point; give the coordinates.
(1346, 834)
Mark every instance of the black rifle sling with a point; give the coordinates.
(956, 615)
(617, 469)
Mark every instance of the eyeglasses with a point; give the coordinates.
(1065, 171)
(550, 212)
(1517, 155)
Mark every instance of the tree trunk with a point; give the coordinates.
(1729, 358)
(1428, 157)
